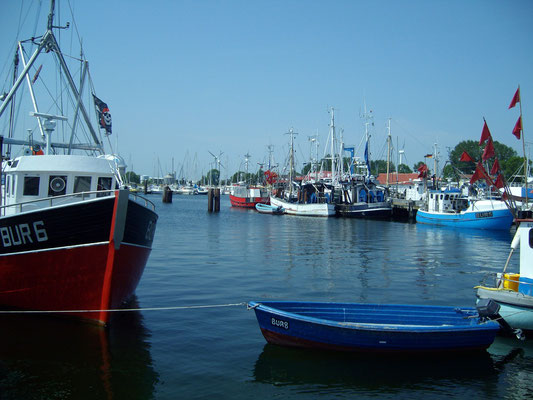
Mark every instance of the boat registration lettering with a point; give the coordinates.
(486, 214)
(279, 323)
(15, 235)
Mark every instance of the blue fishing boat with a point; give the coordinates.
(451, 208)
(383, 328)
(268, 209)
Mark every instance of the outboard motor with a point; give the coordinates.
(490, 310)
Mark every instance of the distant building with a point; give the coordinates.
(400, 179)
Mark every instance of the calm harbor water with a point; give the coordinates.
(202, 259)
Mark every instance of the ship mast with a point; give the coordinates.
(291, 159)
(388, 153)
(49, 43)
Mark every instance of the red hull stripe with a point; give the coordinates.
(70, 279)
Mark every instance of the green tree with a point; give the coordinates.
(132, 177)
(513, 166)
(475, 151)
(404, 169)
(306, 169)
(380, 166)
(213, 177)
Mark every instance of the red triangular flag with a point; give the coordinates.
(478, 174)
(466, 157)
(495, 167)
(485, 134)
(489, 151)
(516, 98)
(422, 171)
(499, 182)
(518, 128)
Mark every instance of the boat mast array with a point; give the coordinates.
(50, 44)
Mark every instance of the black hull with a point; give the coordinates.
(362, 211)
(80, 223)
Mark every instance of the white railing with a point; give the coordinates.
(11, 209)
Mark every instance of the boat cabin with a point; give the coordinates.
(448, 201)
(30, 179)
(523, 281)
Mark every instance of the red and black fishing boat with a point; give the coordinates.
(74, 240)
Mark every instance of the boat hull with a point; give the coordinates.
(304, 209)
(247, 202)
(373, 328)
(88, 255)
(364, 210)
(494, 220)
(269, 209)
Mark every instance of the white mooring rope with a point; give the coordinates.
(118, 309)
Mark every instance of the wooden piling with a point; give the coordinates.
(217, 200)
(210, 195)
(167, 195)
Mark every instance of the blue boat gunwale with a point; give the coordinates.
(469, 314)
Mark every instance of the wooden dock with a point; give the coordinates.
(405, 209)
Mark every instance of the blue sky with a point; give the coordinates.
(183, 78)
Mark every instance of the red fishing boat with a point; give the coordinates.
(248, 196)
(73, 239)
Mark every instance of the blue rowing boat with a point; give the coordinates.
(384, 328)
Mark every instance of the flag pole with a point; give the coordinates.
(523, 146)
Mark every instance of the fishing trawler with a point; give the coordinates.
(74, 240)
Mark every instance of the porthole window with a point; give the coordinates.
(57, 185)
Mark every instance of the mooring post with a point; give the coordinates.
(167, 194)
(217, 200)
(209, 200)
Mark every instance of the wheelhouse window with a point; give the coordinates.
(104, 184)
(8, 185)
(31, 186)
(82, 184)
(57, 185)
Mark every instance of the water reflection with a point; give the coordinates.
(487, 374)
(285, 366)
(50, 357)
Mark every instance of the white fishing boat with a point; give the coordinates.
(309, 200)
(315, 206)
(513, 291)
